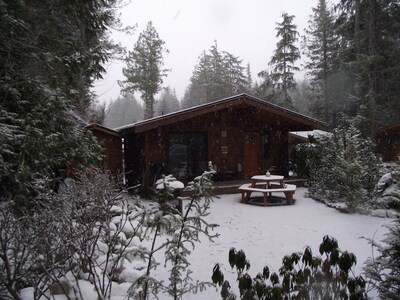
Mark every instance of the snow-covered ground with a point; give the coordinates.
(266, 234)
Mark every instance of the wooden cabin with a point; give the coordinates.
(388, 142)
(241, 135)
(111, 141)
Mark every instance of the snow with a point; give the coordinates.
(307, 134)
(265, 234)
(171, 182)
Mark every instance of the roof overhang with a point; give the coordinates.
(101, 128)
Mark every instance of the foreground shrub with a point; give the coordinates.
(176, 235)
(383, 271)
(68, 238)
(302, 276)
(91, 239)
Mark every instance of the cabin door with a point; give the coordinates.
(252, 149)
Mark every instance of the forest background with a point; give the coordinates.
(349, 53)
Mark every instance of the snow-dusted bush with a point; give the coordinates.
(387, 191)
(302, 158)
(345, 168)
(15, 259)
(383, 271)
(70, 240)
(90, 239)
(176, 235)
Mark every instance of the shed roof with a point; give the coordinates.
(101, 128)
(230, 102)
(390, 127)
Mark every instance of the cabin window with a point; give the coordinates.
(187, 154)
(266, 145)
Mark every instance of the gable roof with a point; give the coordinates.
(234, 101)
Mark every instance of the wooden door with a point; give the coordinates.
(252, 149)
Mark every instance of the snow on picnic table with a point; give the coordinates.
(267, 234)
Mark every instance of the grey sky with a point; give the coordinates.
(245, 28)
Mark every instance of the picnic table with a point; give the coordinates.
(267, 184)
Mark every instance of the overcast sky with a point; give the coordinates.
(245, 28)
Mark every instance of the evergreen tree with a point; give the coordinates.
(236, 80)
(302, 96)
(199, 91)
(217, 83)
(123, 111)
(264, 89)
(168, 102)
(188, 100)
(51, 52)
(217, 75)
(344, 166)
(284, 58)
(384, 270)
(369, 39)
(143, 69)
(250, 82)
(320, 47)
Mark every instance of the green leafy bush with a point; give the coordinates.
(302, 276)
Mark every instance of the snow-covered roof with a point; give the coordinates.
(309, 134)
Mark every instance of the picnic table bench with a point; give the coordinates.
(248, 188)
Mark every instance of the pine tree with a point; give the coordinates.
(250, 82)
(236, 81)
(217, 75)
(369, 49)
(284, 58)
(52, 51)
(168, 102)
(123, 111)
(143, 69)
(200, 83)
(217, 81)
(264, 89)
(320, 47)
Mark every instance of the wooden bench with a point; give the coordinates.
(247, 189)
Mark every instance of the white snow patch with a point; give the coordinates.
(266, 234)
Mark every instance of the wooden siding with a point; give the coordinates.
(112, 145)
(226, 136)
